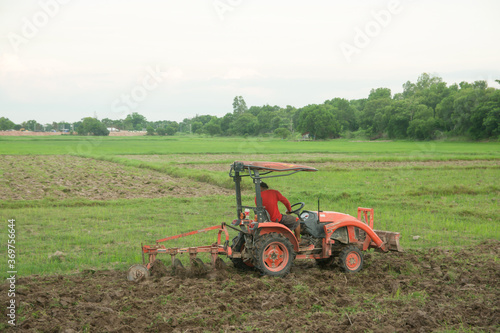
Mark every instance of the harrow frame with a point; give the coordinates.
(214, 249)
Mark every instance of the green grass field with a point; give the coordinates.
(445, 192)
(144, 145)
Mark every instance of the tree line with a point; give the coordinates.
(426, 109)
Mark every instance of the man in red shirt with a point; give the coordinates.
(270, 200)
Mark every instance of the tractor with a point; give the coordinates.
(327, 237)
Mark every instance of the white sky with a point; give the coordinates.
(78, 58)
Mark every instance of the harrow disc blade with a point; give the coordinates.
(197, 263)
(178, 267)
(137, 272)
(198, 268)
(220, 264)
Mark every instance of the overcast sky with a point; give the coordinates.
(170, 60)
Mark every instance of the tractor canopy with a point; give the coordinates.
(258, 170)
(271, 166)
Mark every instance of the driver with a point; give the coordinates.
(270, 200)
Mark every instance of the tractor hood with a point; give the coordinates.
(325, 216)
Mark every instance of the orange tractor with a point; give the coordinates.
(270, 247)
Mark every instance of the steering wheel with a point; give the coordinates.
(296, 211)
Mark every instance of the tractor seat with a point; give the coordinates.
(311, 225)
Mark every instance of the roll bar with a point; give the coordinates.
(241, 169)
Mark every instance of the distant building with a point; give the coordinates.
(306, 136)
(112, 129)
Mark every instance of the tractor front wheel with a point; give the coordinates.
(274, 254)
(351, 259)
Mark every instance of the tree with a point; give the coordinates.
(265, 120)
(345, 113)
(384, 93)
(225, 123)
(6, 124)
(171, 129)
(31, 125)
(429, 90)
(48, 127)
(118, 124)
(485, 119)
(239, 105)
(425, 81)
(185, 126)
(196, 127)
(444, 112)
(372, 119)
(108, 122)
(213, 127)
(134, 121)
(92, 126)
(286, 117)
(409, 89)
(318, 121)
(161, 131)
(463, 106)
(245, 124)
(76, 125)
(282, 133)
(492, 123)
(421, 129)
(398, 119)
(150, 130)
(203, 119)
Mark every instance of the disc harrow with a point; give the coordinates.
(220, 247)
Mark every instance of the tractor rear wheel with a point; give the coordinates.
(350, 259)
(274, 254)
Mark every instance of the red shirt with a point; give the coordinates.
(270, 200)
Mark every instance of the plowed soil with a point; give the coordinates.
(36, 177)
(432, 290)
